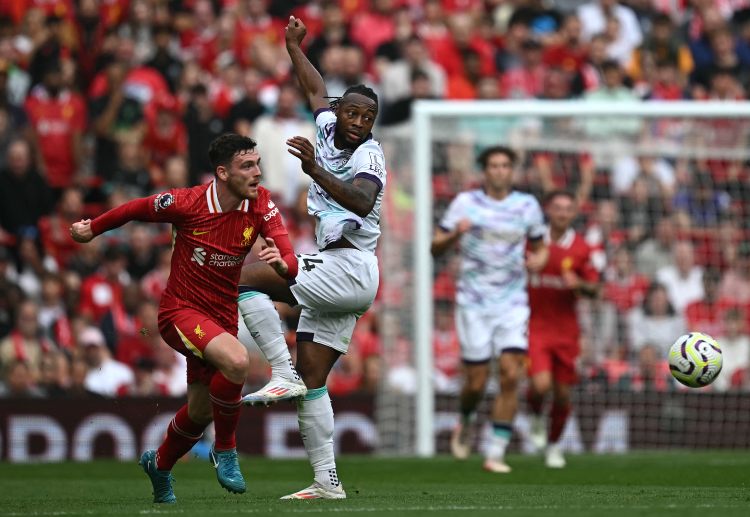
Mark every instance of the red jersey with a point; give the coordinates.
(553, 305)
(209, 245)
(55, 121)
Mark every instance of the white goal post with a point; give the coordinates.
(427, 121)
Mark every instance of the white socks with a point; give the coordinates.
(315, 415)
(499, 440)
(262, 320)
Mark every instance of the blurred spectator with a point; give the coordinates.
(682, 279)
(640, 209)
(624, 289)
(130, 174)
(165, 136)
(53, 317)
(526, 80)
(654, 323)
(54, 229)
(446, 350)
(164, 57)
(707, 314)
(57, 117)
(87, 260)
(705, 205)
(595, 17)
(10, 293)
(346, 375)
(735, 285)
(19, 381)
(399, 112)
(176, 173)
(14, 116)
(656, 252)
(24, 195)
(735, 348)
(104, 374)
(334, 32)
(120, 322)
(171, 368)
(371, 28)
(722, 56)
(658, 174)
(199, 41)
(652, 373)
(248, 108)
(102, 291)
(352, 71)
(143, 383)
(154, 283)
(141, 252)
(55, 377)
(604, 231)
(281, 174)
(114, 111)
(25, 342)
(397, 78)
(255, 29)
(33, 263)
(613, 89)
(663, 45)
(51, 49)
(452, 51)
(141, 337)
(203, 125)
(666, 84)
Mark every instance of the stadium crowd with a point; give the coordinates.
(105, 100)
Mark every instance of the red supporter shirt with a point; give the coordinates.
(99, 296)
(209, 245)
(708, 318)
(553, 305)
(54, 121)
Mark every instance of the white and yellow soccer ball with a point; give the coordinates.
(695, 359)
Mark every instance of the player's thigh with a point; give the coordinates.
(474, 335)
(189, 332)
(227, 354)
(540, 361)
(510, 331)
(261, 277)
(565, 355)
(199, 403)
(333, 330)
(336, 281)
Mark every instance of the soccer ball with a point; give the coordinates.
(695, 359)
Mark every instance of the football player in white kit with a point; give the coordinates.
(335, 286)
(491, 227)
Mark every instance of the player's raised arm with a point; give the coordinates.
(309, 78)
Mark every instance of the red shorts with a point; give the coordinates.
(188, 331)
(550, 353)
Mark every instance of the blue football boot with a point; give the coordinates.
(161, 480)
(228, 472)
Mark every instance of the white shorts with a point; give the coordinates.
(334, 287)
(487, 333)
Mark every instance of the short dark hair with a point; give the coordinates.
(361, 89)
(550, 196)
(224, 147)
(484, 157)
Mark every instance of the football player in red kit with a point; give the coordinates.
(215, 226)
(573, 270)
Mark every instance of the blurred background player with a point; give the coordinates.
(215, 226)
(492, 226)
(334, 287)
(553, 328)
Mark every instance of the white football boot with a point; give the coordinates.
(461, 442)
(276, 390)
(318, 491)
(497, 466)
(553, 457)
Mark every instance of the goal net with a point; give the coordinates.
(665, 191)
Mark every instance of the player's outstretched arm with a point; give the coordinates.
(141, 209)
(359, 196)
(280, 257)
(309, 78)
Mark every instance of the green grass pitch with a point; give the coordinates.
(639, 484)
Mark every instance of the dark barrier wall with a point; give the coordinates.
(83, 429)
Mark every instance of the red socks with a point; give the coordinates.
(182, 434)
(558, 417)
(225, 399)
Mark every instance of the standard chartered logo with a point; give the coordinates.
(199, 256)
(216, 259)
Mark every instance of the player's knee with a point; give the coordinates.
(236, 364)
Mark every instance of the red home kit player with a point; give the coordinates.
(553, 327)
(215, 226)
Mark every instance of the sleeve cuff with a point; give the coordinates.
(319, 111)
(371, 177)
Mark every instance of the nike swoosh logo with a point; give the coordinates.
(196, 232)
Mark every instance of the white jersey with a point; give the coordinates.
(493, 272)
(332, 221)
